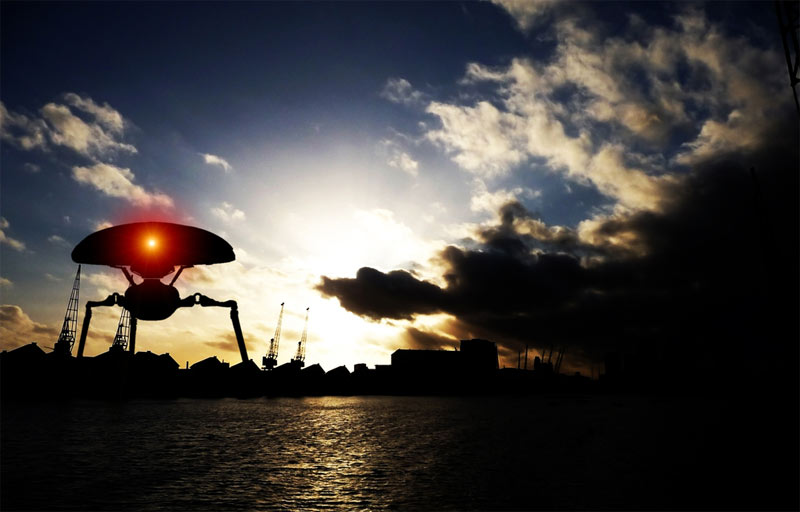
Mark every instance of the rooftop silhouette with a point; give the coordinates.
(29, 373)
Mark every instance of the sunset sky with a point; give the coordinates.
(522, 172)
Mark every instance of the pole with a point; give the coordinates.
(132, 341)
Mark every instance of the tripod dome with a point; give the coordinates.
(152, 249)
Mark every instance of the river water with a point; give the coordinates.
(364, 453)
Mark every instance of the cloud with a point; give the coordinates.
(90, 139)
(57, 240)
(228, 343)
(403, 161)
(516, 221)
(228, 213)
(484, 201)
(426, 340)
(480, 139)
(396, 294)
(5, 283)
(623, 113)
(7, 240)
(22, 131)
(399, 159)
(95, 135)
(526, 12)
(374, 237)
(31, 168)
(51, 277)
(662, 283)
(90, 129)
(102, 224)
(489, 142)
(218, 161)
(17, 328)
(106, 282)
(716, 137)
(400, 90)
(118, 182)
(104, 114)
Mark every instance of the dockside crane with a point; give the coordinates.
(300, 357)
(66, 339)
(271, 359)
(126, 333)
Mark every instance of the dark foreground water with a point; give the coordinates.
(406, 453)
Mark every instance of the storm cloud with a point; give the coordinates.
(714, 273)
(396, 294)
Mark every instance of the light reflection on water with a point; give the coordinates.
(407, 453)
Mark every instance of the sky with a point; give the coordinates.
(539, 174)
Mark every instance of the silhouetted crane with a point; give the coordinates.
(66, 339)
(271, 359)
(300, 357)
(126, 331)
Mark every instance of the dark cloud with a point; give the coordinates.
(520, 227)
(710, 278)
(374, 294)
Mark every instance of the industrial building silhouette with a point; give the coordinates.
(28, 372)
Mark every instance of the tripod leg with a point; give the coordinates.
(112, 299)
(237, 329)
(209, 302)
(87, 318)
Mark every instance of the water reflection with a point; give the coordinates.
(407, 453)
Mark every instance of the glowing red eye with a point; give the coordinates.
(151, 243)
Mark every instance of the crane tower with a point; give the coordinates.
(271, 359)
(125, 331)
(300, 357)
(66, 339)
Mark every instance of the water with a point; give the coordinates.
(355, 453)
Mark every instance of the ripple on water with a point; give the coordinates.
(361, 453)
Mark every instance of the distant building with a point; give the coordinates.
(425, 360)
(313, 371)
(339, 372)
(163, 363)
(475, 356)
(24, 355)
